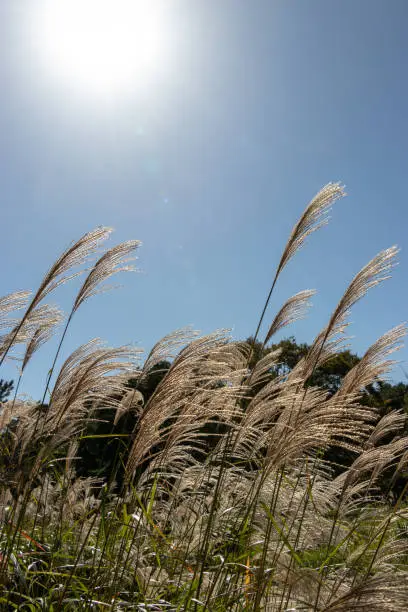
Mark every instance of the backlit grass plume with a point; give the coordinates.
(293, 309)
(59, 273)
(314, 217)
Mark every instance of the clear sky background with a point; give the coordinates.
(254, 107)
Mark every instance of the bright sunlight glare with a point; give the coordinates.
(100, 47)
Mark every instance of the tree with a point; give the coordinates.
(328, 376)
(6, 387)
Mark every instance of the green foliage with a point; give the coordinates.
(328, 376)
(6, 387)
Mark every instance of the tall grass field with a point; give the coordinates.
(219, 491)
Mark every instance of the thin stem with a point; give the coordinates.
(51, 371)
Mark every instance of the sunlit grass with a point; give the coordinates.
(217, 496)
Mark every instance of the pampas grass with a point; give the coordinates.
(228, 500)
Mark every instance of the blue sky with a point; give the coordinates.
(258, 105)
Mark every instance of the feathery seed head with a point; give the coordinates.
(314, 217)
(293, 310)
(112, 262)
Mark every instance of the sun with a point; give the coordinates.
(100, 47)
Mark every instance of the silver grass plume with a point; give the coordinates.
(168, 347)
(11, 302)
(307, 422)
(293, 309)
(58, 274)
(188, 396)
(313, 218)
(391, 423)
(268, 403)
(44, 315)
(374, 364)
(262, 368)
(133, 401)
(208, 404)
(293, 422)
(42, 334)
(111, 262)
(375, 460)
(402, 464)
(92, 372)
(75, 255)
(92, 376)
(382, 592)
(320, 352)
(371, 275)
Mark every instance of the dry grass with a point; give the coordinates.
(228, 502)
